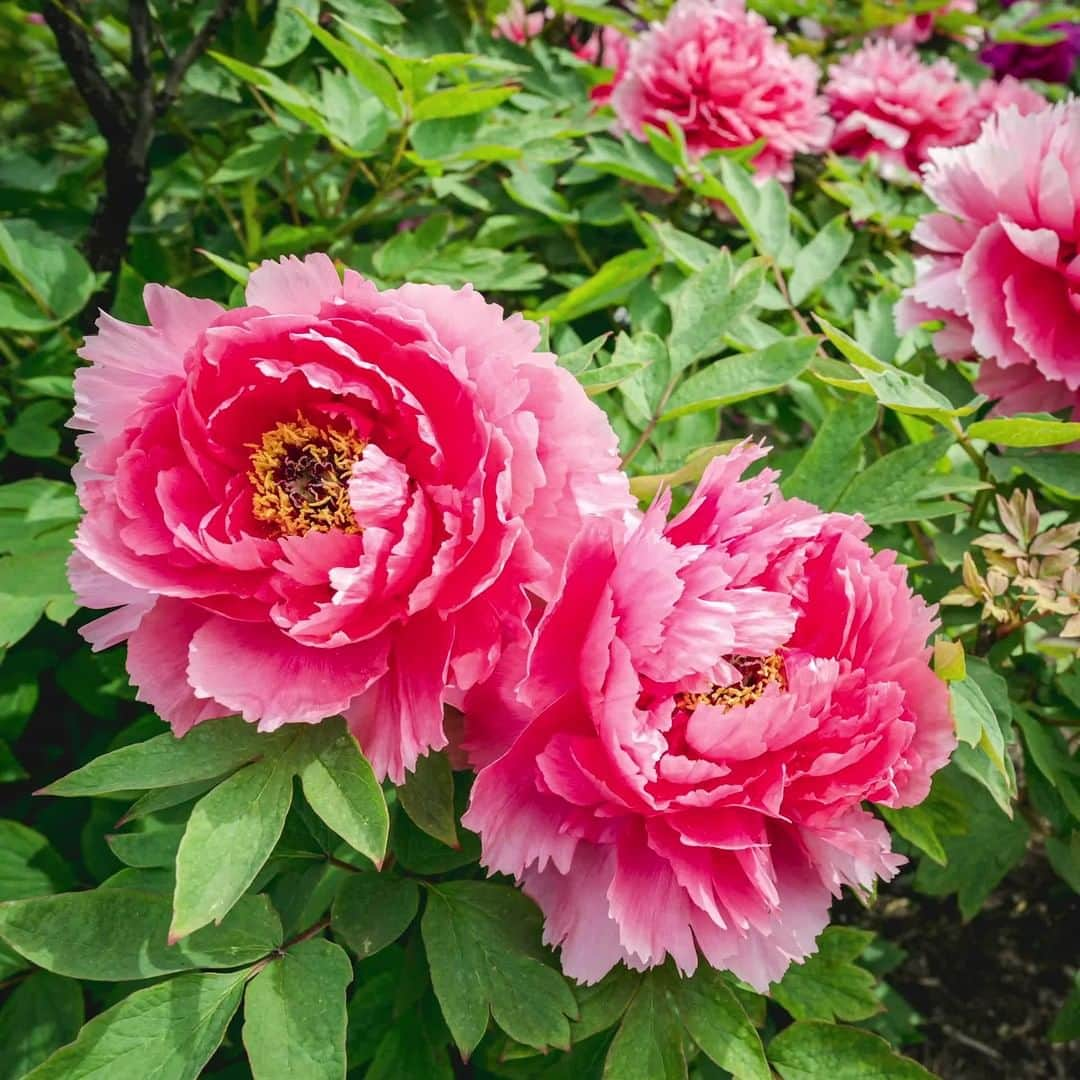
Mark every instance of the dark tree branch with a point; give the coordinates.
(125, 119)
(195, 48)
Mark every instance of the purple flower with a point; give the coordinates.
(1051, 63)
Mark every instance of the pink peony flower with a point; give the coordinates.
(992, 97)
(887, 102)
(329, 501)
(705, 706)
(718, 72)
(916, 29)
(519, 25)
(1003, 269)
(608, 48)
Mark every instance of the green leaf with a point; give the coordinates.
(814, 1050)
(1067, 1023)
(48, 268)
(1023, 430)
(629, 160)
(209, 750)
(119, 933)
(601, 379)
(762, 209)
(167, 1031)
(1050, 752)
(44, 1012)
(533, 188)
(705, 306)
(482, 944)
(820, 259)
(833, 459)
(427, 796)
(609, 286)
(942, 814)
(977, 725)
(341, 788)
(294, 100)
(461, 101)
(648, 1044)
(33, 432)
(829, 985)
(601, 1005)
(989, 848)
(715, 1019)
(291, 31)
(372, 910)
(294, 1014)
(744, 375)
(1058, 470)
(230, 835)
(892, 482)
(363, 68)
(29, 865)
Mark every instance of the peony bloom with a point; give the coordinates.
(992, 97)
(328, 501)
(1003, 272)
(519, 25)
(705, 706)
(718, 72)
(887, 102)
(918, 28)
(608, 48)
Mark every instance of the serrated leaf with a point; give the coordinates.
(814, 1050)
(427, 796)
(744, 375)
(230, 835)
(120, 933)
(372, 910)
(44, 1012)
(341, 788)
(294, 1014)
(828, 984)
(648, 1044)
(168, 1031)
(482, 944)
(715, 1019)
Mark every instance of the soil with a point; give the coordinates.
(988, 991)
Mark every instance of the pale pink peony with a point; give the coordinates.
(519, 25)
(718, 72)
(1003, 269)
(916, 29)
(887, 102)
(704, 708)
(329, 501)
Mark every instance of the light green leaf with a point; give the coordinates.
(629, 160)
(533, 188)
(706, 304)
(291, 31)
(44, 1012)
(49, 269)
(210, 749)
(820, 259)
(294, 1014)
(427, 796)
(230, 835)
(762, 209)
(829, 985)
(833, 459)
(294, 100)
(341, 788)
(814, 1050)
(461, 101)
(1035, 430)
(482, 944)
(372, 910)
(648, 1044)
(744, 375)
(610, 285)
(363, 68)
(715, 1019)
(119, 933)
(167, 1031)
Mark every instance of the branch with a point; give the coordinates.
(142, 76)
(107, 107)
(195, 48)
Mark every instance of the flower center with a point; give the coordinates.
(300, 478)
(756, 671)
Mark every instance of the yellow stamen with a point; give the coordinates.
(757, 673)
(300, 476)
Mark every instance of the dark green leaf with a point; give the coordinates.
(648, 1044)
(427, 796)
(372, 910)
(43, 1013)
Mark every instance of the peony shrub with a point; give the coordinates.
(538, 540)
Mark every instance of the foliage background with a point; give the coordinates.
(415, 146)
